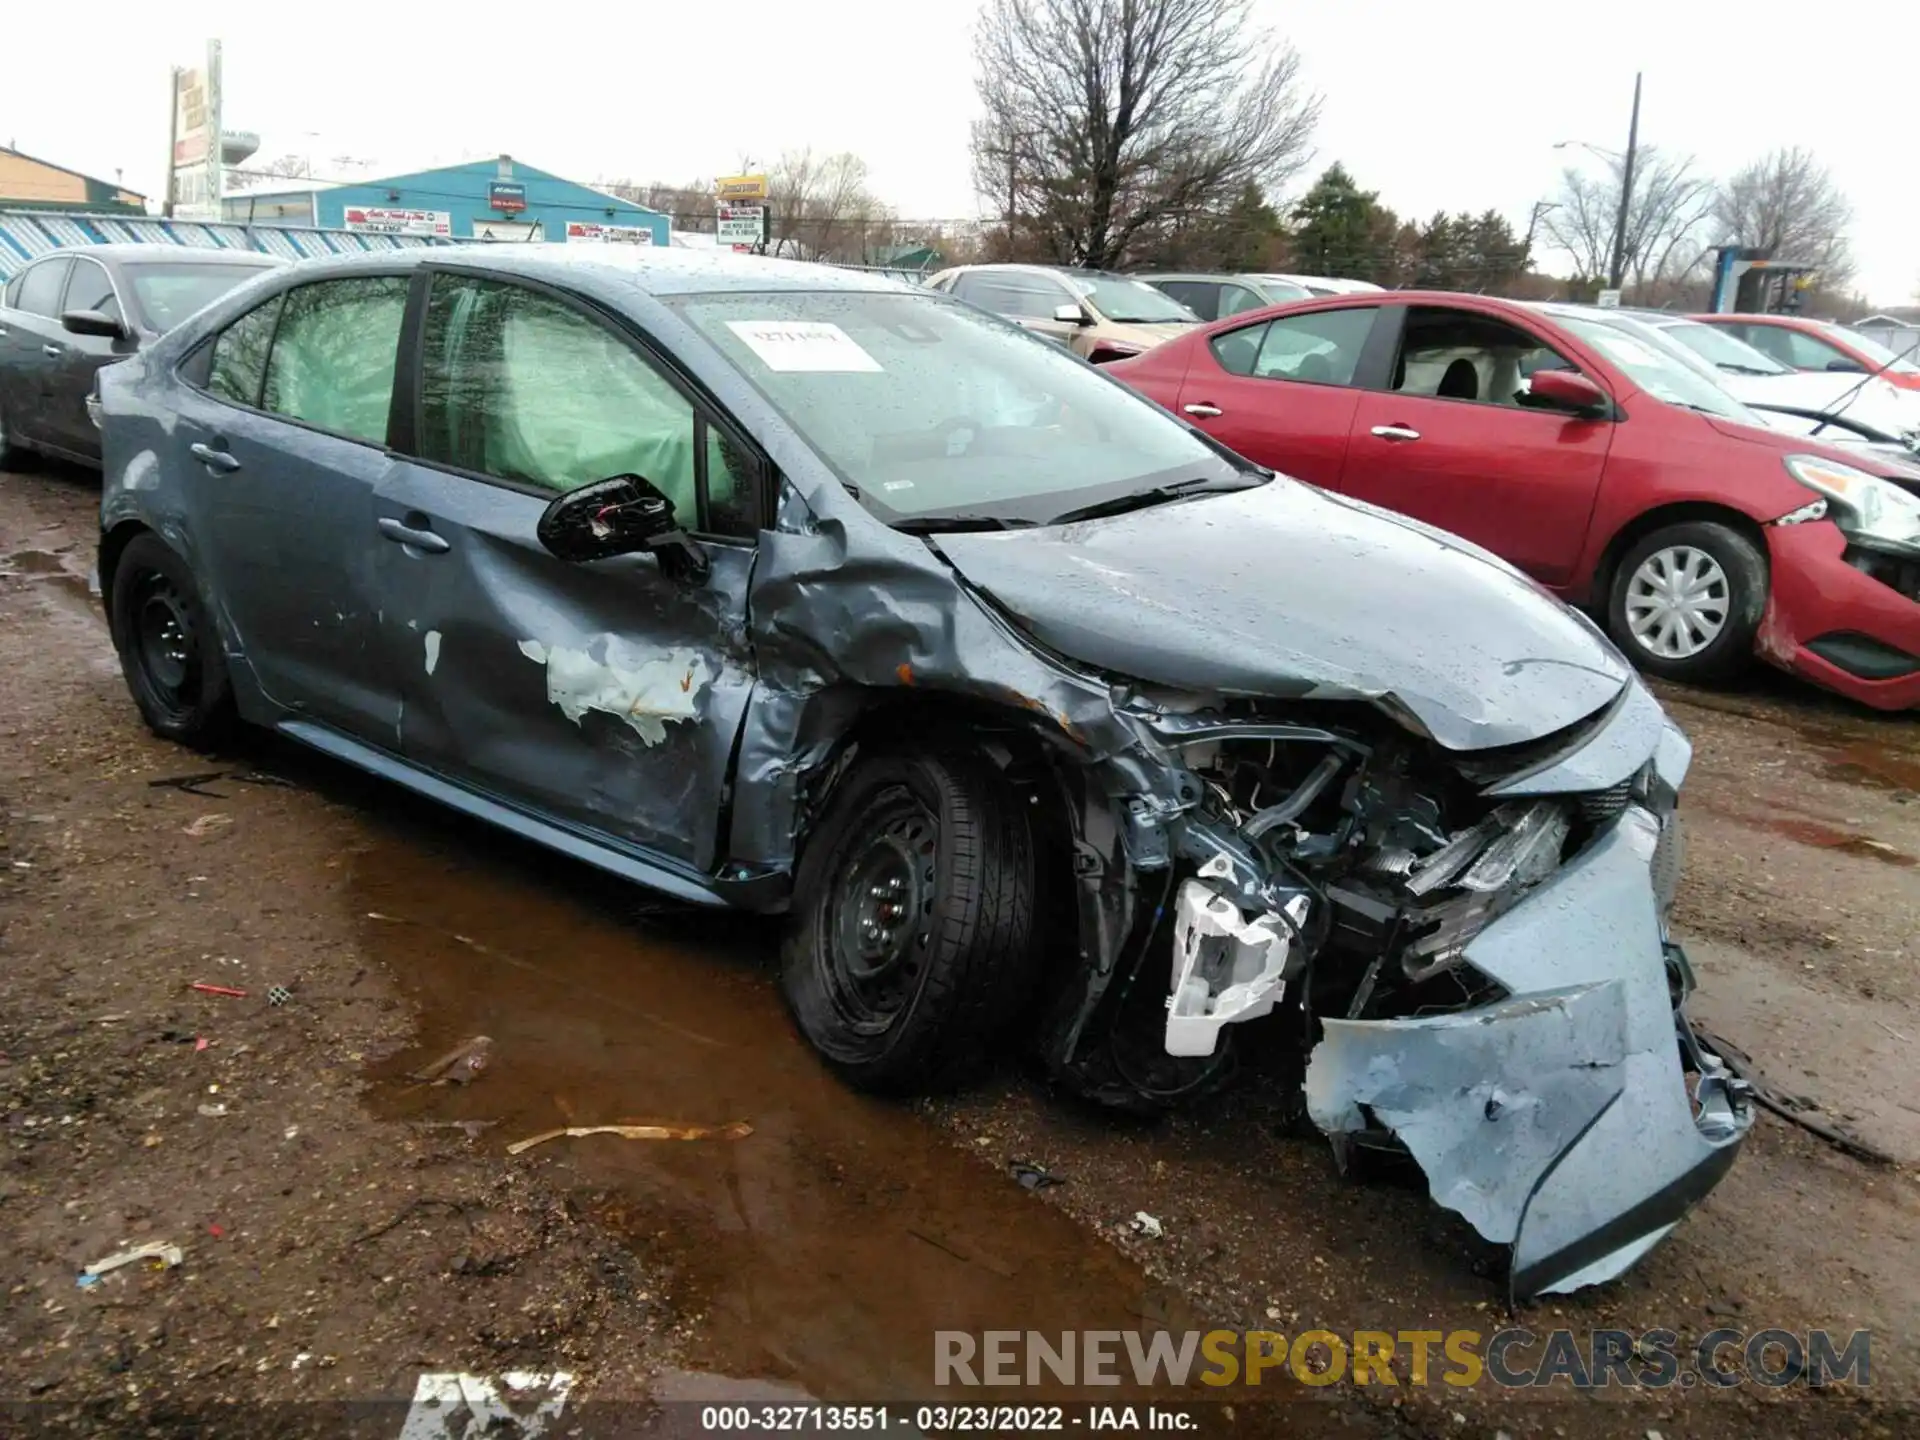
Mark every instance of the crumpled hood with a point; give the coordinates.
(1286, 591)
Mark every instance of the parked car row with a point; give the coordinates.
(1045, 717)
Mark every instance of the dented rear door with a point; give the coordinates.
(605, 696)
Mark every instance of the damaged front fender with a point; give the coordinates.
(1557, 1120)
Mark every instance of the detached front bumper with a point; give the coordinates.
(1558, 1120)
(1836, 626)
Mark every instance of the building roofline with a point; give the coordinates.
(113, 185)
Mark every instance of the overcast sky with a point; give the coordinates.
(1452, 106)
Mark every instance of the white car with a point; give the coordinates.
(1757, 379)
(1324, 285)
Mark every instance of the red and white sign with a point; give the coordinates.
(377, 220)
(584, 232)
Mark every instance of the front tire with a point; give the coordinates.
(169, 648)
(1686, 601)
(910, 945)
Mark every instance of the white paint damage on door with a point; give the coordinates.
(433, 650)
(519, 1405)
(648, 690)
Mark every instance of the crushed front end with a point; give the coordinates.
(1477, 944)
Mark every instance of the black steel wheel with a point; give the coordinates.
(169, 650)
(910, 945)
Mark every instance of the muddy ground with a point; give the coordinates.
(344, 1229)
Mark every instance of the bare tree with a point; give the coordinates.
(1788, 203)
(285, 167)
(691, 205)
(1667, 217)
(819, 207)
(1109, 118)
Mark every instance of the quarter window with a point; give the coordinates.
(523, 388)
(239, 366)
(333, 355)
(1795, 348)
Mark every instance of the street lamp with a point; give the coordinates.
(1617, 264)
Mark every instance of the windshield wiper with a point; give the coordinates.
(1731, 368)
(950, 524)
(1158, 495)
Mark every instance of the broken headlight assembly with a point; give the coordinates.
(1869, 511)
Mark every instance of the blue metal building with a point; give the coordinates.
(481, 200)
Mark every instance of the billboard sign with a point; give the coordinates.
(506, 196)
(195, 168)
(586, 232)
(379, 220)
(740, 189)
(741, 225)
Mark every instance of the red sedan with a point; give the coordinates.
(1819, 345)
(1576, 444)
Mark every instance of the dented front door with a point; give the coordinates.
(601, 695)
(605, 695)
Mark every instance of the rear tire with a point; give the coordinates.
(1686, 601)
(910, 946)
(169, 647)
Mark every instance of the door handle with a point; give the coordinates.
(218, 461)
(52, 351)
(403, 534)
(1396, 432)
(1202, 411)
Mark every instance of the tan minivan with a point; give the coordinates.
(1094, 313)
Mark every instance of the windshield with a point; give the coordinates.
(1655, 369)
(1279, 289)
(168, 293)
(930, 407)
(1129, 302)
(1872, 351)
(1728, 352)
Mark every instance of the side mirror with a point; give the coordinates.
(622, 515)
(1846, 366)
(1567, 390)
(92, 322)
(1070, 315)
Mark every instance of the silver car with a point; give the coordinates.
(1043, 720)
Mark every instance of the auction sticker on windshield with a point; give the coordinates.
(803, 345)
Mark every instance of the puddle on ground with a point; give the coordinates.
(1826, 837)
(824, 1250)
(52, 572)
(34, 562)
(1878, 765)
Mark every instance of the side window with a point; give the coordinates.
(1235, 299)
(41, 285)
(91, 288)
(523, 388)
(1321, 347)
(1021, 297)
(239, 363)
(1196, 295)
(1460, 355)
(333, 355)
(1805, 352)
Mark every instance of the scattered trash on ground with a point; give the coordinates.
(200, 1042)
(212, 1112)
(736, 1130)
(206, 825)
(464, 1062)
(167, 1254)
(412, 1207)
(1033, 1176)
(194, 784)
(472, 1129)
(278, 995)
(1791, 1108)
(1145, 1224)
(206, 989)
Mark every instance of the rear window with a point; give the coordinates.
(168, 292)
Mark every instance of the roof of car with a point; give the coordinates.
(654, 270)
(124, 254)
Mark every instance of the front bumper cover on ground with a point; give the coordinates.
(1558, 1120)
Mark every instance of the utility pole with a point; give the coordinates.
(173, 136)
(1617, 269)
(1540, 207)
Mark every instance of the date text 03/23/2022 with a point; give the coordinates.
(945, 1419)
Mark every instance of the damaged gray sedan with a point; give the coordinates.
(1045, 721)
